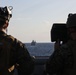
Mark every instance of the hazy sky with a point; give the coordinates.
(33, 19)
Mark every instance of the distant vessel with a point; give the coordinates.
(33, 43)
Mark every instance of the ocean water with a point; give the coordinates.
(40, 49)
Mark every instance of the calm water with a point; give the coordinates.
(40, 49)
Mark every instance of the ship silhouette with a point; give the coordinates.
(33, 43)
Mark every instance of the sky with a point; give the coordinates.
(33, 19)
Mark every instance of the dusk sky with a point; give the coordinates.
(33, 19)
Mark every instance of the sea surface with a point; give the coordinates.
(40, 49)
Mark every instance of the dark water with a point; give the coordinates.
(40, 49)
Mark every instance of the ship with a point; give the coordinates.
(33, 43)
